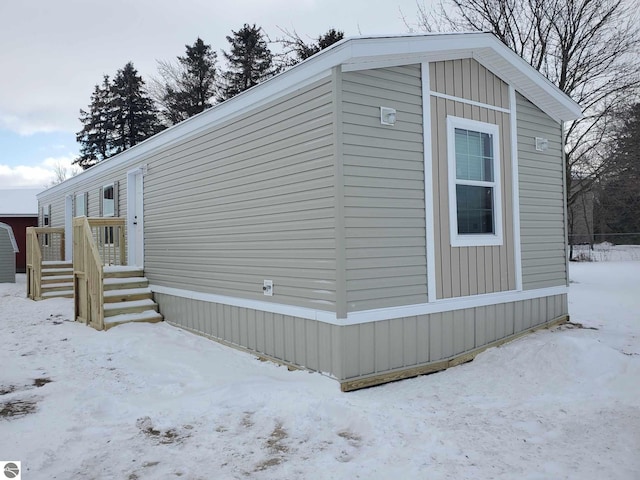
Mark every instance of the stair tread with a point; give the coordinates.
(57, 293)
(56, 285)
(121, 268)
(57, 270)
(59, 277)
(126, 291)
(133, 317)
(131, 304)
(56, 262)
(116, 280)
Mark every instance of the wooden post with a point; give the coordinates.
(123, 258)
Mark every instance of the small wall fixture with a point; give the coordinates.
(387, 116)
(542, 144)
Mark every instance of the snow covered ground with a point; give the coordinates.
(154, 402)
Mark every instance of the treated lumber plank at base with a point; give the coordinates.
(402, 374)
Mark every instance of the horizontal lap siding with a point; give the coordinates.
(92, 187)
(383, 189)
(250, 199)
(464, 271)
(541, 199)
(380, 347)
(306, 343)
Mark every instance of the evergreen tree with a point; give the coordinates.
(97, 130)
(249, 61)
(296, 49)
(120, 115)
(135, 117)
(187, 88)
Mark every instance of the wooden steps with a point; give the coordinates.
(57, 280)
(127, 297)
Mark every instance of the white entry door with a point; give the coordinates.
(135, 217)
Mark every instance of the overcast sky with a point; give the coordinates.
(52, 53)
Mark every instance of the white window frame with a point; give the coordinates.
(113, 200)
(474, 239)
(80, 199)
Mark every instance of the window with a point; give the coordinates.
(46, 222)
(108, 203)
(474, 183)
(81, 205)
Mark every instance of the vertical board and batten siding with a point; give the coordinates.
(382, 347)
(383, 189)
(306, 343)
(248, 200)
(463, 271)
(542, 222)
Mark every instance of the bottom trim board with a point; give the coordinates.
(374, 380)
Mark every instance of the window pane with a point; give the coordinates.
(80, 210)
(107, 201)
(475, 209)
(474, 155)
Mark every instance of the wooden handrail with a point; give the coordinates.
(109, 236)
(88, 275)
(43, 244)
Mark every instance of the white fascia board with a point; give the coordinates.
(529, 82)
(366, 316)
(380, 52)
(350, 52)
(257, 96)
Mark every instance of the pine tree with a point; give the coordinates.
(96, 134)
(249, 61)
(120, 115)
(296, 49)
(187, 88)
(135, 117)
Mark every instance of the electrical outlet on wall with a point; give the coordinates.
(267, 288)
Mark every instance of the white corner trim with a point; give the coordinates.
(366, 316)
(515, 188)
(469, 102)
(428, 184)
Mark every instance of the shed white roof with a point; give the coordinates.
(19, 202)
(363, 53)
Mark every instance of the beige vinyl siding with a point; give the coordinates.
(248, 200)
(92, 188)
(375, 348)
(306, 343)
(542, 221)
(463, 271)
(383, 189)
